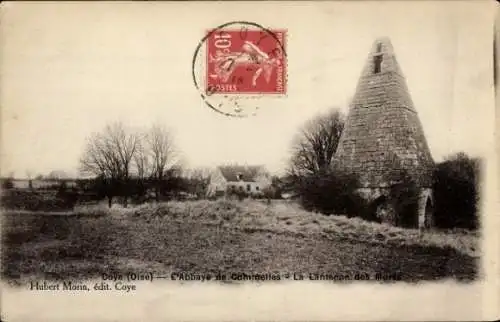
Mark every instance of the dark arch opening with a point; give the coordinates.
(380, 200)
(377, 62)
(429, 210)
(376, 208)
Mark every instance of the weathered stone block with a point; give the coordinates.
(383, 138)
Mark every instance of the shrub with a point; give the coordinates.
(37, 201)
(275, 190)
(8, 183)
(67, 197)
(456, 192)
(331, 192)
(270, 192)
(236, 193)
(62, 188)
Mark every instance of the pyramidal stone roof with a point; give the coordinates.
(383, 137)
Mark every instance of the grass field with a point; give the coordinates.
(224, 236)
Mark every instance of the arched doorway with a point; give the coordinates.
(425, 214)
(382, 210)
(429, 211)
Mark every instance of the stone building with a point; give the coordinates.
(252, 180)
(383, 142)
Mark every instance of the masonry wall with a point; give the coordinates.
(383, 141)
(379, 199)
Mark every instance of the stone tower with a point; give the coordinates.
(383, 141)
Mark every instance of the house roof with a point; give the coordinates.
(248, 173)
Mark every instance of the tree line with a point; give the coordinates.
(141, 165)
(127, 164)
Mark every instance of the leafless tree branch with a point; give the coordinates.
(315, 145)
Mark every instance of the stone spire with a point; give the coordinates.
(383, 137)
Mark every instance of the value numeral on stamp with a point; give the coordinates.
(222, 40)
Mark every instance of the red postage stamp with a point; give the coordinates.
(243, 61)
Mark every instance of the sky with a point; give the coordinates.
(68, 69)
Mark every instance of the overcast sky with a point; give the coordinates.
(69, 69)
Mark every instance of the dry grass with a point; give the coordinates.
(283, 217)
(228, 236)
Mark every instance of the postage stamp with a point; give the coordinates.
(239, 63)
(246, 61)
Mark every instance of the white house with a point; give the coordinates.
(252, 180)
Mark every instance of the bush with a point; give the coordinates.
(8, 183)
(269, 192)
(331, 193)
(67, 197)
(236, 193)
(456, 192)
(37, 201)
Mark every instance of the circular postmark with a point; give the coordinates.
(237, 64)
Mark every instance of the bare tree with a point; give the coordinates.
(159, 156)
(109, 155)
(142, 161)
(315, 145)
(198, 178)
